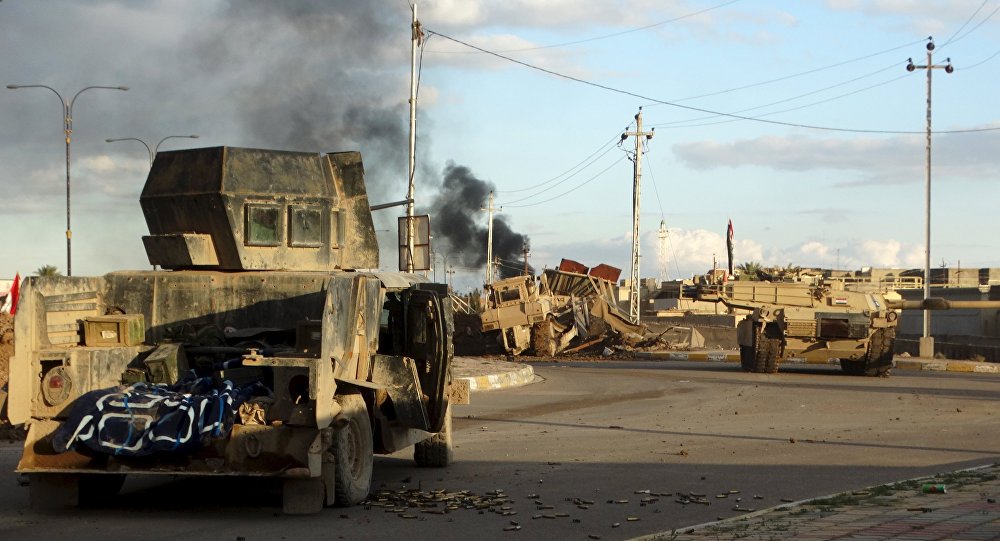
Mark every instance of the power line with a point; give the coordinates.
(966, 23)
(573, 189)
(609, 142)
(894, 65)
(974, 28)
(606, 36)
(807, 72)
(609, 149)
(832, 98)
(698, 109)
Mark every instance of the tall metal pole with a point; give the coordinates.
(67, 107)
(489, 241)
(417, 37)
(927, 341)
(633, 300)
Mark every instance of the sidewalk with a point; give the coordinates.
(901, 363)
(968, 510)
(488, 374)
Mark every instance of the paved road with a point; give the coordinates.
(600, 432)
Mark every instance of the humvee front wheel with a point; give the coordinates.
(877, 361)
(353, 452)
(436, 451)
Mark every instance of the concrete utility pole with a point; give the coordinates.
(633, 297)
(490, 209)
(927, 341)
(524, 250)
(417, 39)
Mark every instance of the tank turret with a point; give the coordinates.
(241, 209)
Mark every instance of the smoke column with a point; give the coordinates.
(455, 217)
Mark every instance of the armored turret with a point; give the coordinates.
(241, 209)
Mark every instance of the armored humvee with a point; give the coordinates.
(261, 349)
(818, 321)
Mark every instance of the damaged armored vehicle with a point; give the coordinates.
(262, 347)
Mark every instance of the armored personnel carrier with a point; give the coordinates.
(817, 321)
(263, 347)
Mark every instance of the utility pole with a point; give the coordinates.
(633, 297)
(927, 341)
(524, 250)
(417, 39)
(490, 209)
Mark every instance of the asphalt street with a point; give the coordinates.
(611, 449)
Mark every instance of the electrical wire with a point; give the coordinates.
(605, 144)
(832, 98)
(699, 109)
(966, 23)
(794, 75)
(605, 36)
(609, 149)
(974, 28)
(981, 62)
(578, 186)
(810, 93)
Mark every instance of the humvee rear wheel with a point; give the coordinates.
(766, 351)
(436, 451)
(877, 361)
(98, 488)
(353, 452)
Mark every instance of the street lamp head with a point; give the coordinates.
(122, 88)
(193, 136)
(12, 87)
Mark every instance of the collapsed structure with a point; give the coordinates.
(544, 314)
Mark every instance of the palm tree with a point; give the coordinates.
(749, 270)
(48, 271)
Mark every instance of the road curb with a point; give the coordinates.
(900, 363)
(688, 530)
(503, 380)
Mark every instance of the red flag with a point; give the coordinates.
(729, 246)
(13, 293)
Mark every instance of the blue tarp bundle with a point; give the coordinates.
(143, 418)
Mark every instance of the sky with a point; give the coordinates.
(797, 120)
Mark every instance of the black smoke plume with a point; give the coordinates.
(456, 215)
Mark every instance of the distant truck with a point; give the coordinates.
(261, 349)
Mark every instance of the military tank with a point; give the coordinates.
(262, 346)
(818, 322)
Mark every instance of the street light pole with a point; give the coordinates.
(152, 151)
(68, 130)
(927, 341)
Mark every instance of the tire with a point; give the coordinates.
(353, 451)
(766, 352)
(98, 489)
(877, 361)
(436, 451)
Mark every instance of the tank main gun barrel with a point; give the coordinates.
(937, 303)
